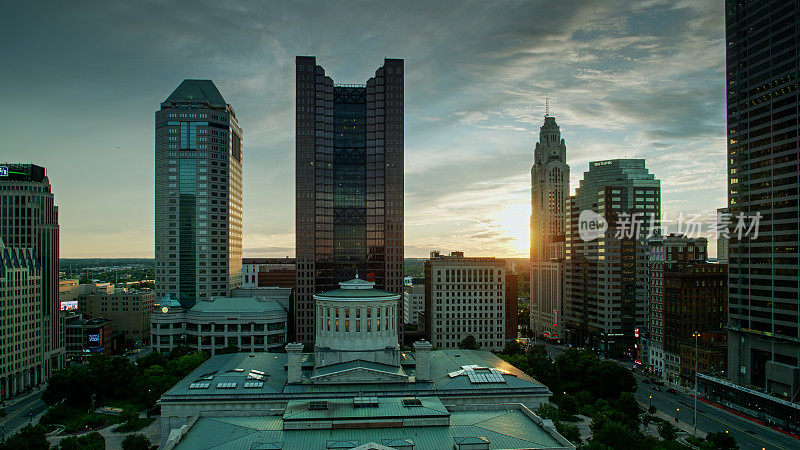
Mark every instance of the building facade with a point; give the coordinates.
(615, 208)
(764, 270)
(128, 312)
(198, 194)
(665, 251)
(549, 203)
(30, 221)
(465, 297)
(252, 324)
(349, 184)
(413, 302)
(511, 305)
(695, 300)
(723, 239)
(87, 337)
(21, 350)
(268, 272)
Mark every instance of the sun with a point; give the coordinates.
(514, 221)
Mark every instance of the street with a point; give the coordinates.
(748, 434)
(19, 413)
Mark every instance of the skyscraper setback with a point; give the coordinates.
(764, 271)
(30, 322)
(549, 201)
(349, 184)
(198, 194)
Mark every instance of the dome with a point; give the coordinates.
(356, 317)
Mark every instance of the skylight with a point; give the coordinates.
(199, 385)
(226, 385)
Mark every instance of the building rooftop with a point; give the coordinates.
(501, 429)
(226, 369)
(196, 91)
(356, 289)
(237, 305)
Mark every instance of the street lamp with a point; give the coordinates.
(695, 335)
(677, 410)
(651, 401)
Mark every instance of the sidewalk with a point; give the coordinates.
(683, 426)
(22, 397)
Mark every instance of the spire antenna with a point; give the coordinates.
(546, 105)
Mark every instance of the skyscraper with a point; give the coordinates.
(198, 194)
(29, 229)
(549, 199)
(764, 271)
(605, 291)
(349, 184)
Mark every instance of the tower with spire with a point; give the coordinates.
(549, 200)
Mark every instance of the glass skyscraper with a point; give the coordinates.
(349, 184)
(198, 194)
(764, 271)
(606, 287)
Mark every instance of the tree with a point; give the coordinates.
(613, 434)
(652, 409)
(91, 441)
(3, 413)
(568, 405)
(30, 437)
(136, 442)
(722, 441)
(512, 348)
(667, 431)
(470, 343)
(570, 432)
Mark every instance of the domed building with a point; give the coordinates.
(356, 323)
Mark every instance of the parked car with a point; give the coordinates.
(656, 388)
(672, 391)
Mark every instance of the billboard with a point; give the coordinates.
(71, 305)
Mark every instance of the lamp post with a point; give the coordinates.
(695, 335)
(677, 410)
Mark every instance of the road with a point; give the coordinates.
(748, 434)
(20, 411)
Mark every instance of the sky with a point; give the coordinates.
(638, 79)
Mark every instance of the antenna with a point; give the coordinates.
(546, 105)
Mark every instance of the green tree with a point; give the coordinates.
(652, 409)
(614, 434)
(136, 442)
(568, 405)
(722, 441)
(3, 413)
(667, 431)
(570, 432)
(470, 343)
(513, 347)
(91, 441)
(30, 437)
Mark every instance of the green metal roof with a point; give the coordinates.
(503, 429)
(342, 408)
(349, 365)
(237, 304)
(204, 91)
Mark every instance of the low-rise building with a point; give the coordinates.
(465, 297)
(87, 337)
(711, 353)
(253, 324)
(413, 302)
(268, 272)
(128, 311)
(358, 390)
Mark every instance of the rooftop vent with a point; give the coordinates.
(318, 405)
(411, 402)
(365, 402)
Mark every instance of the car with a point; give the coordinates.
(656, 388)
(672, 391)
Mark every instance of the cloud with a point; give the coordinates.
(631, 78)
